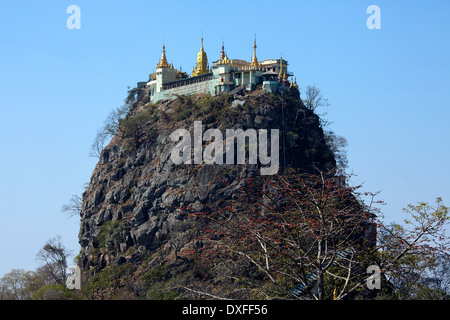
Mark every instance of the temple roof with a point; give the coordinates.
(163, 62)
(202, 63)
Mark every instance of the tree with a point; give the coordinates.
(13, 285)
(410, 254)
(437, 276)
(112, 122)
(110, 128)
(98, 144)
(47, 282)
(133, 95)
(133, 127)
(337, 144)
(291, 236)
(314, 99)
(311, 237)
(54, 257)
(73, 208)
(111, 125)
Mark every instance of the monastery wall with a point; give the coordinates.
(207, 86)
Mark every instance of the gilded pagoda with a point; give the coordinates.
(224, 75)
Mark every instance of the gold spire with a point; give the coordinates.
(254, 62)
(222, 54)
(163, 62)
(281, 67)
(202, 63)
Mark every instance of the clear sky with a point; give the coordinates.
(389, 91)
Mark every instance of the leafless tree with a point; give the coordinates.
(110, 127)
(73, 208)
(314, 99)
(98, 144)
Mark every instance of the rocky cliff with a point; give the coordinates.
(130, 208)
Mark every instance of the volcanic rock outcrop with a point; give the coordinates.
(131, 205)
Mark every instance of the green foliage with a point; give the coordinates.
(133, 95)
(423, 213)
(211, 108)
(133, 128)
(217, 107)
(162, 294)
(18, 284)
(154, 282)
(109, 234)
(292, 138)
(154, 115)
(183, 108)
(184, 114)
(112, 122)
(53, 291)
(108, 282)
(414, 255)
(155, 275)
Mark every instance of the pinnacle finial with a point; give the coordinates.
(254, 62)
(163, 62)
(222, 54)
(281, 66)
(202, 62)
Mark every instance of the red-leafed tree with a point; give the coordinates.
(305, 236)
(292, 235)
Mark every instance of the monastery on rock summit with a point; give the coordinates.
(224, 75)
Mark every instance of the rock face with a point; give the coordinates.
(132, 203)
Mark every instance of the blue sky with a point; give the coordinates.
(388, 90)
